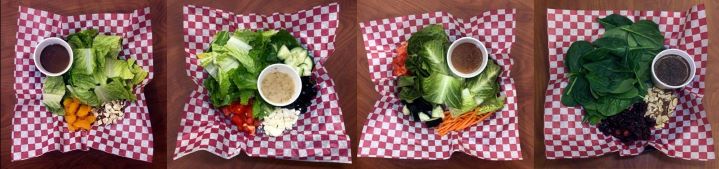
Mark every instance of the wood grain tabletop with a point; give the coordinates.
(654, 159)
(340, 67)
(522, 52)
(154, 91)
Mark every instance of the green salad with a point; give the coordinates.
(610, 74)
(234, 61)
(97, 75)
(428, 87)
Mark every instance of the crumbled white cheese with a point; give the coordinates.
(279, 120)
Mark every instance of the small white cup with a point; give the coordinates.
(480, 45)
(680, 53)
(284, 69)
(45, 43)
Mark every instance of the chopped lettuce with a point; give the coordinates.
(53, 91)
(260, 109)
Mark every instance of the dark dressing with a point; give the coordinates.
(466, 58)
(672, 70)
(54, 58)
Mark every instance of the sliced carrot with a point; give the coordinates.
(460, 123)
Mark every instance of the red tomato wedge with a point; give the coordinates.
(398, 63)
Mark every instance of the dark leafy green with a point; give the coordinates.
(614, 20)
(612, 73)
(426, 49)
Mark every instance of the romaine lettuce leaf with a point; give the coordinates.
(82, 39)
(115, 90)
(467, 103)
(117, 68)
(106, 47)
(433, 54)
(426, 51)
(485, 86)
(140, 74)
(53, 91)
(85, 95)
(442, 89)
(84, 61)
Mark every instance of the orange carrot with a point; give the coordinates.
(460, 123)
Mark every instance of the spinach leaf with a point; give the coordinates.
(614, 20)
(646, 34)
(615, 45)
(567, 97)
(574, 55)
(609, 106)
(612, 73)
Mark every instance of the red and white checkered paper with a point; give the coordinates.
(390, 134)
(688, 133)
(36, 130)
(319, 134)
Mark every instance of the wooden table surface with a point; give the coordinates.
(651, 160)
(154, 91)
(521, 72)
(339, 66)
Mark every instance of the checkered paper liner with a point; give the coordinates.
(319, 134)
(36, 130)
(688, 133)
(390, 134)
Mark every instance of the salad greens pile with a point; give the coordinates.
(97, 75)
(612, 73)
(235, 60)
(431, 79)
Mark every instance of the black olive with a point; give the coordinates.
(307, 94)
